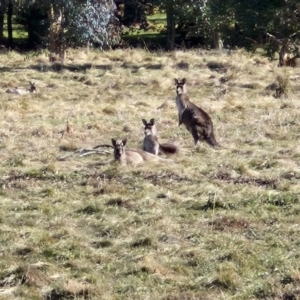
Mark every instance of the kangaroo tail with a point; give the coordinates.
(167, 148)
(212, 141)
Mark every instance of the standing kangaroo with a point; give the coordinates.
(132, 156)
(22, 91)
(151, 143)
(195, 119)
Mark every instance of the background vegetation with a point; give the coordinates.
(158, 24)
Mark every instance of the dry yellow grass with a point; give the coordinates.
(216, 224)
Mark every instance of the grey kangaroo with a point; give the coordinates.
(151, 143)
(195, 119)
(22, 91)
(132, 156)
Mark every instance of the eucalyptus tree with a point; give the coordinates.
(91, 21)
(76, 22)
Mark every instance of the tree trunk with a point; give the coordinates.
(9, 22)
(284, 55)
(2, 12)
(170, 24)
(56, 40)
(218, 42)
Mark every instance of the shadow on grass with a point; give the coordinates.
(58, 67)
(134, 68)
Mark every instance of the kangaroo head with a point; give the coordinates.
(119, 147)
(180, 85)
(150, 128)
(32, 87)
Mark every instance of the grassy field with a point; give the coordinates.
(215, 224)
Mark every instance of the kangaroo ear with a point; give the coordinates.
(184, 80)
(152, 121)
(124, 141)
(144, 122)
(176, 81)
(114, 143)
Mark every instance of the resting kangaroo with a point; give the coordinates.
(151, 143)
(22, 91)
(195, 119)
(132, 156)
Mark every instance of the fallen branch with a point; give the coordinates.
(103, 145)
(91, 151)
(85, 152)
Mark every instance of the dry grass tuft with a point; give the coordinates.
(217, 66)
(231, 223)
(284, 85)
(110, 110)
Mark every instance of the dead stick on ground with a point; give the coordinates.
(103, 145)
(91, 151)
(84, 152)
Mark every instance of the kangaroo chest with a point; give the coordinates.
(181, 103)
(150, 140)
(151, 144)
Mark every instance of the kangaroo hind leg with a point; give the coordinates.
(196, 136)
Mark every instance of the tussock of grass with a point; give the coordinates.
(215, 224)
(109, 110)
(68, 147)
(217, 66)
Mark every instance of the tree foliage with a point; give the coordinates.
(76, 22)
(238, 22)
(35, 22)
(91, 21)
(134, 12)
(234, 22)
